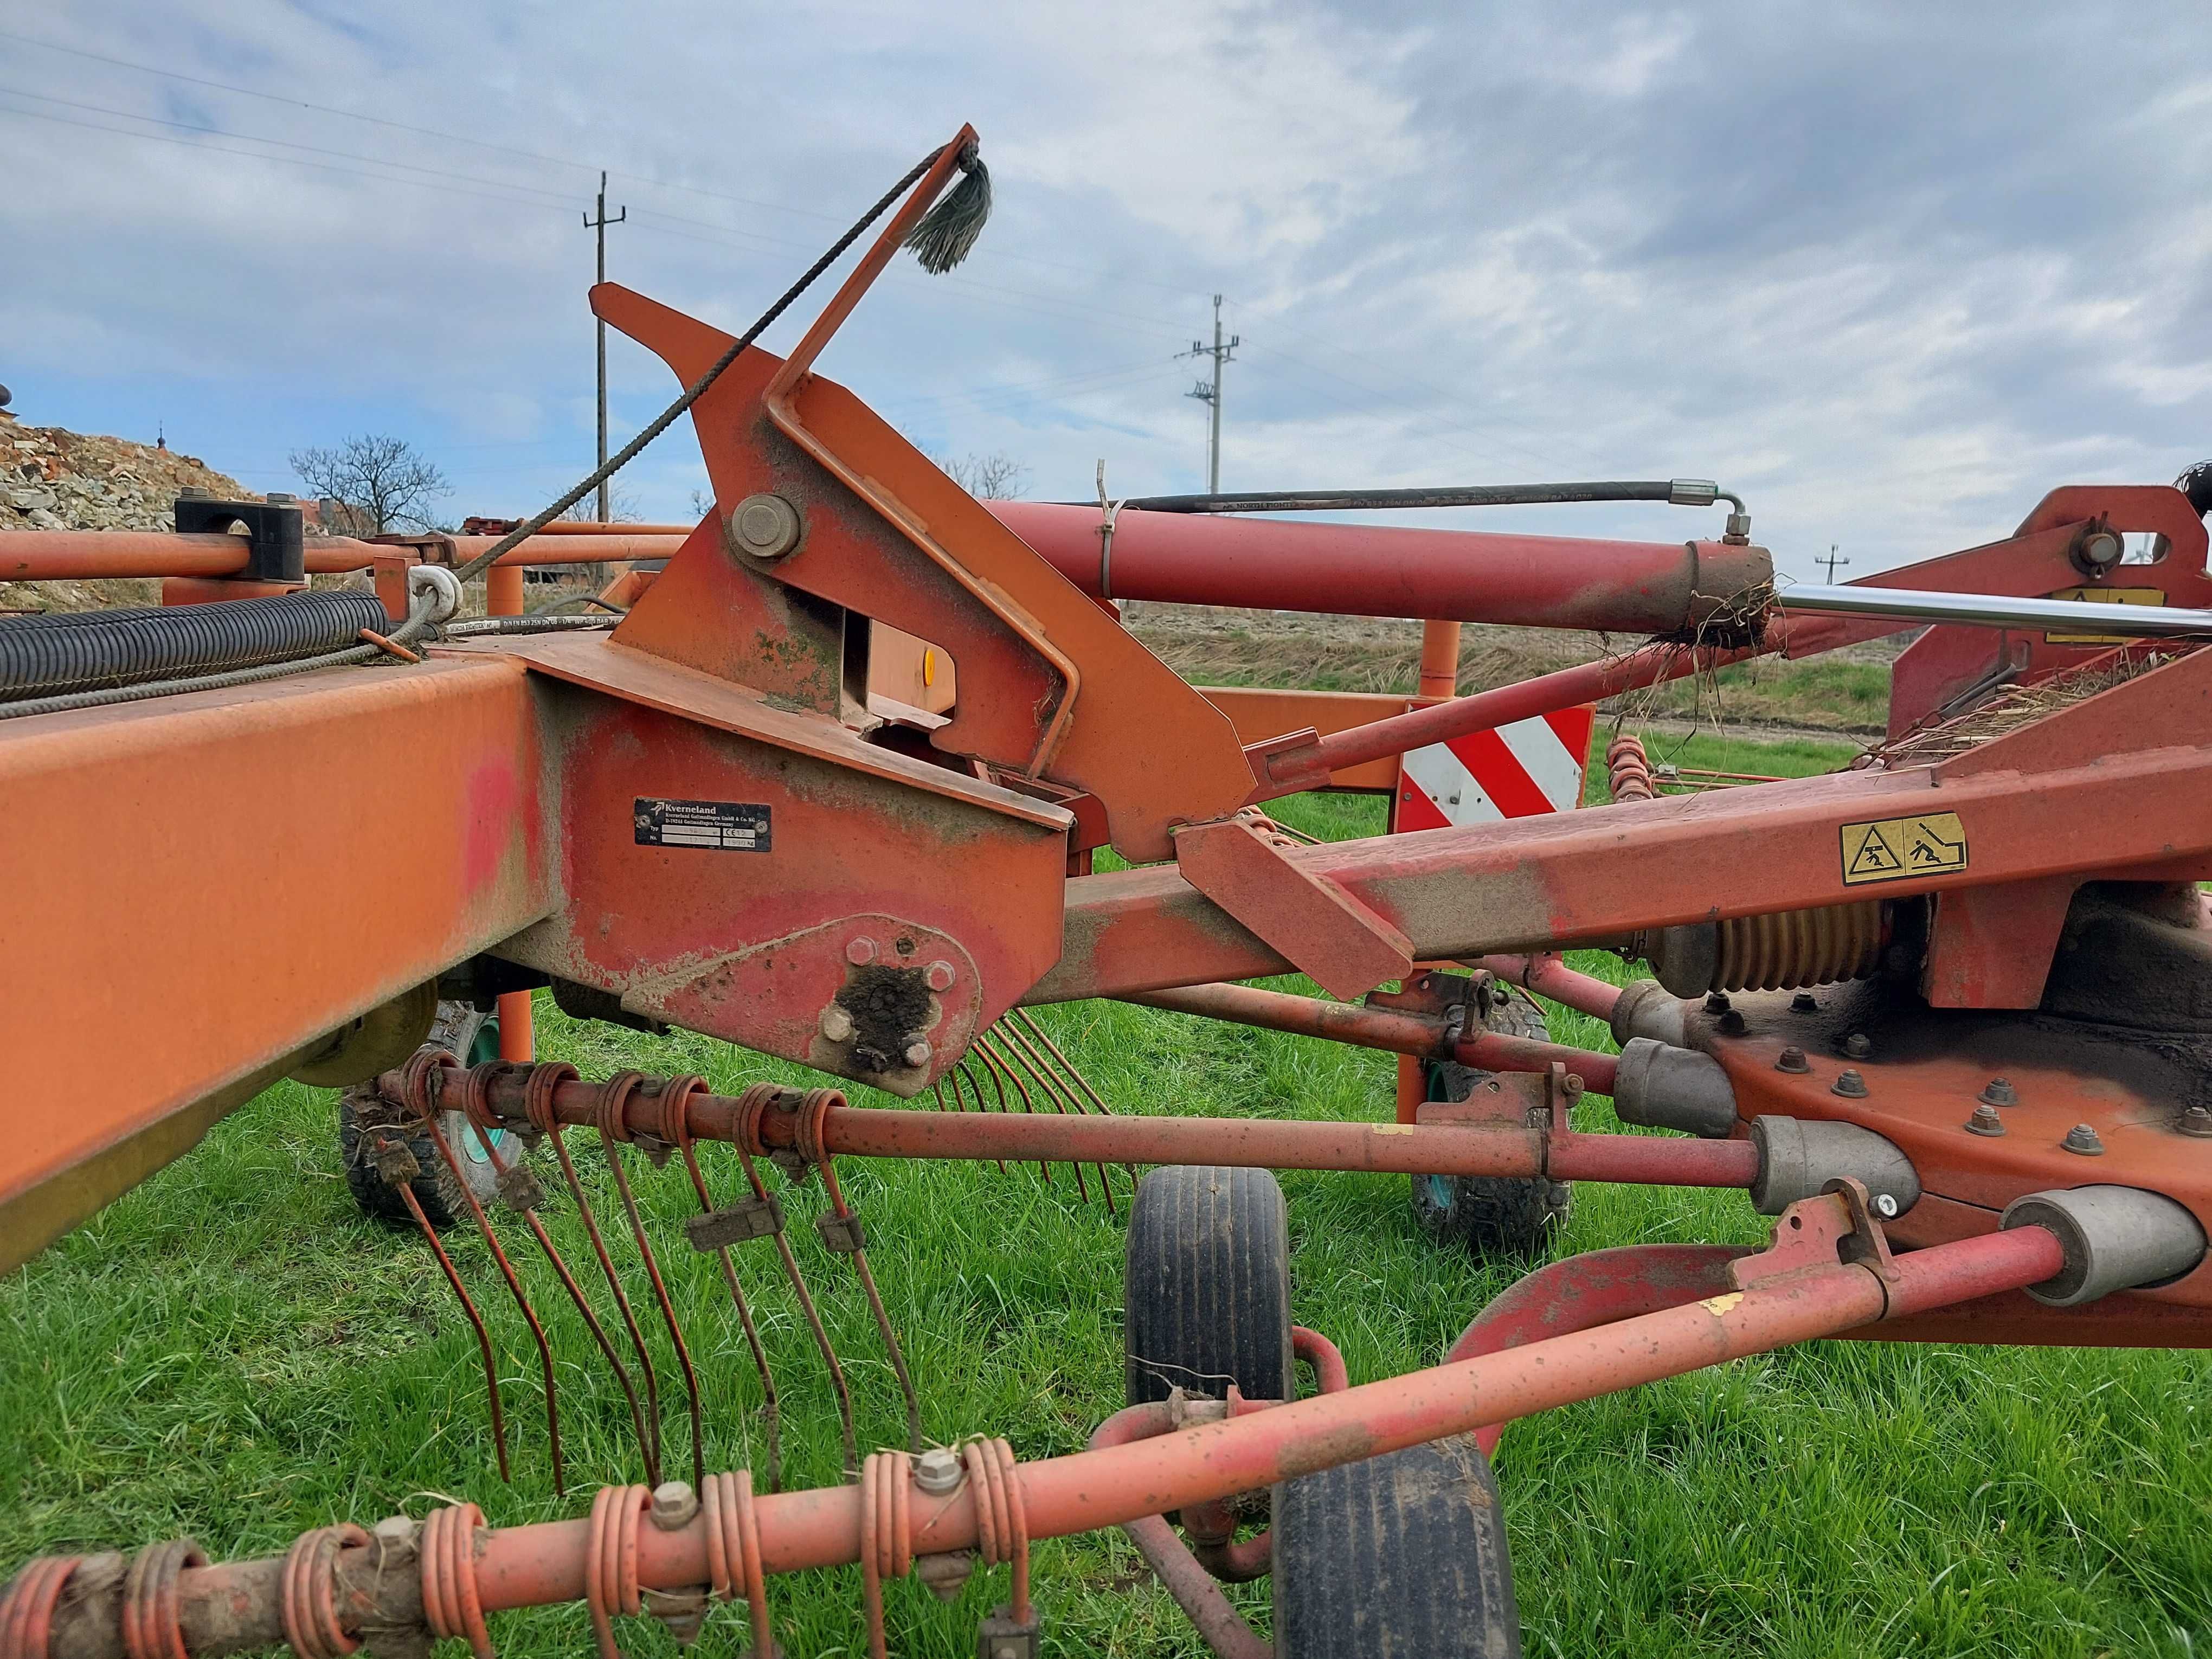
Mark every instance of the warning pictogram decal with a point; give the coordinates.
(1893, 849)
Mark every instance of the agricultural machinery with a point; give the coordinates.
(834, 783)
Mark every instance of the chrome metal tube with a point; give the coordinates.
(1997, 611)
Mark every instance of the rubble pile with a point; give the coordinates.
(52, 478)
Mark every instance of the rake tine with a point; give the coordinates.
(675, 1121)
(953, 1077)
(876, 1306)
(518, 1188)
(652, 1419)
(612, 1093)
(1029, 1024)
(995, 1069)
(996, 1063)
(514, 1284)
(771, 1410)
(406, 1190)
(1055, 1089)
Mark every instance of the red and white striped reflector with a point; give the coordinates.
(1514, 772)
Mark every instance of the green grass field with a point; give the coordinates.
(229, 1351)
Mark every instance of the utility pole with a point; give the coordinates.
(1831, 562)
(1221, 351)
(600, 225)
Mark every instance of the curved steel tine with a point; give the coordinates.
(1055, 1089)
(406, 1190)
(771, 1410)
(647, 1450)
(667, 1308)
(514, 1284)
(652, 1420)
(995, 1063)
(860, 1255)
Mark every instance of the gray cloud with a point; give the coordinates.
(1892, 271)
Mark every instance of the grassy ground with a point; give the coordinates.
(1845, 691)
(229, 1351)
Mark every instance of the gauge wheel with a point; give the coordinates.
(1490, 1215)
(365, 1118)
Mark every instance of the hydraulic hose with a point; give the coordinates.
(52, 655)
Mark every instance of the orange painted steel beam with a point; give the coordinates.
(1259, 713)
(1144, 1462)
(105, 555)
(227, 876)
(1371, 570)
(1600, 873)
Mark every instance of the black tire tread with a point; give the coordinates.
(1208, 1286)
(1398, 1556)
(1493, 1215)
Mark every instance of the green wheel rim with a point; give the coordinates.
(485, 1046)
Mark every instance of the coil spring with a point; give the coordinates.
(1628, 769)
(1784, 951)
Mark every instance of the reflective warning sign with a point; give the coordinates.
(1892, 849)
(2101, 596)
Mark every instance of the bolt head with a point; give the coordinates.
(1884, 1204)
(917, 1053)
(836, 1025)
(938, 1471)
(938, 975)
(2197, 1120)
(1858, 1045)
(1999, 1091)
(1792, 1058)
(766, 526)
(945, 1574)
(1850, 1084)
(1802, 1003)
(861, 952)
(1986, 1121)
(1731, 1024)
(2084, 1138)
(674, 1505)
(1716, 1003)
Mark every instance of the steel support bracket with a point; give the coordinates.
(1819, 1232)
(733, 1224)
(1241, 863)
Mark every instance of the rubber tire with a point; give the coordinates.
(1206, 1286)
(1490, 1215)
(460, 1029)
(1398, 1556)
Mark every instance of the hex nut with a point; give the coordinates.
(766, 526)
(1850, 1084)
(1792, 1058)
(674, 1505)
(938, 975)
(836, 1025)
(1986, 1121)
(1999, 1091)
(1802, 1003)
(945, 1574)
(2197, 1121)
(917, 1053)
(1858, 1045)
(939, 1471)
(861, 952)
(2084, 1138)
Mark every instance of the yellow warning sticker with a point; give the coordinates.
(1892, 849)
(2101, 596)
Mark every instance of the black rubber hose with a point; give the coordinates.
(92, 650)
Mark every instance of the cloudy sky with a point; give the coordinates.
(1890, 271)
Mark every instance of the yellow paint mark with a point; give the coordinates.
(929, 667)
(2102, 596)
(1892, 849)
(1717, 1305)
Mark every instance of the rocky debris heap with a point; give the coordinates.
(52, 478)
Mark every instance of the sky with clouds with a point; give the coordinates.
(1889, 272)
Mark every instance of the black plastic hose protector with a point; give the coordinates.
(91, 650)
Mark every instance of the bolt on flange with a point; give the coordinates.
(2084, 1138)
(1986, 1121)
(1850, 1084)
(1999, 1091)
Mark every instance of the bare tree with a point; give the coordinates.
(997, 477)
(384, 483)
